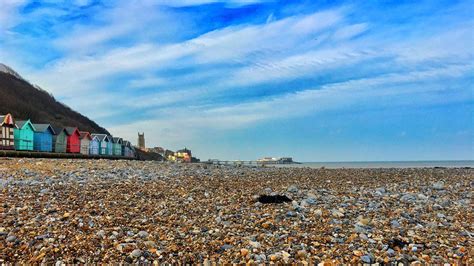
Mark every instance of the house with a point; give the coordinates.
(59, 139)
(43, 137)
(104, 145)
(94, 145)
(24, 135)
(7, 136)
(117, 146)
(73, 140)
(85, 139)
(159, 150)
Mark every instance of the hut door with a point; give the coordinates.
(7, 134)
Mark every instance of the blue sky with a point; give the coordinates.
(243, 79)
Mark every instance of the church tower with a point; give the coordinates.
(141, 141)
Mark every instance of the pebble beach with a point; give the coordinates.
(59, 211)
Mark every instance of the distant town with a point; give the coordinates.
(162, 154)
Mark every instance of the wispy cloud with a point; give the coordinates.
(9, 15)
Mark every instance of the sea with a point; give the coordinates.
(382, 164)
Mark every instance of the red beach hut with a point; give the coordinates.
(73, 140)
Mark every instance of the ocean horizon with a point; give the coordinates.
(384, 164)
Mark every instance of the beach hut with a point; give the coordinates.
(110, 146)
(59, 139)
(24, 135)
(94, 145)
(104, 145)
(7, 136)
(73, 140)
(117, 146)
(85, 138)
(43, 137)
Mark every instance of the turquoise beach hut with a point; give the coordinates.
(24, 135)
(110, 146)
(43, 137)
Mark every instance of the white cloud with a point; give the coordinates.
(182, 3)
(185, 123)
(9, 15)
(350, 31)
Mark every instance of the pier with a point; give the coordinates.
(243, 163)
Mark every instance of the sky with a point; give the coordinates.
(243, 79)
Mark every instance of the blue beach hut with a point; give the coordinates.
(94, 145)
(43, 137)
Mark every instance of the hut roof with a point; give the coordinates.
(102, 137)
(71, 130)
(117, 140)
(43, 128)
(85, 134)
(58, 130)
(7, 120)
(22, 123)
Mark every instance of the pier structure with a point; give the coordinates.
(238, 162)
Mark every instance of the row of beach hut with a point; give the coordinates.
(27, 136)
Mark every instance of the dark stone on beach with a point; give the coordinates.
(397, 243)
(273, 199)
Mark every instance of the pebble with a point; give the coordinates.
(142, 234)
(11, 238)
(438, 185)
(102, 211)
(136, 253)
(292, 189)
(394, 224)
(255, 244)
(366, 259)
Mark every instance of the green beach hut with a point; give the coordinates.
(117, 146)
(59, 139)
(24, 135)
